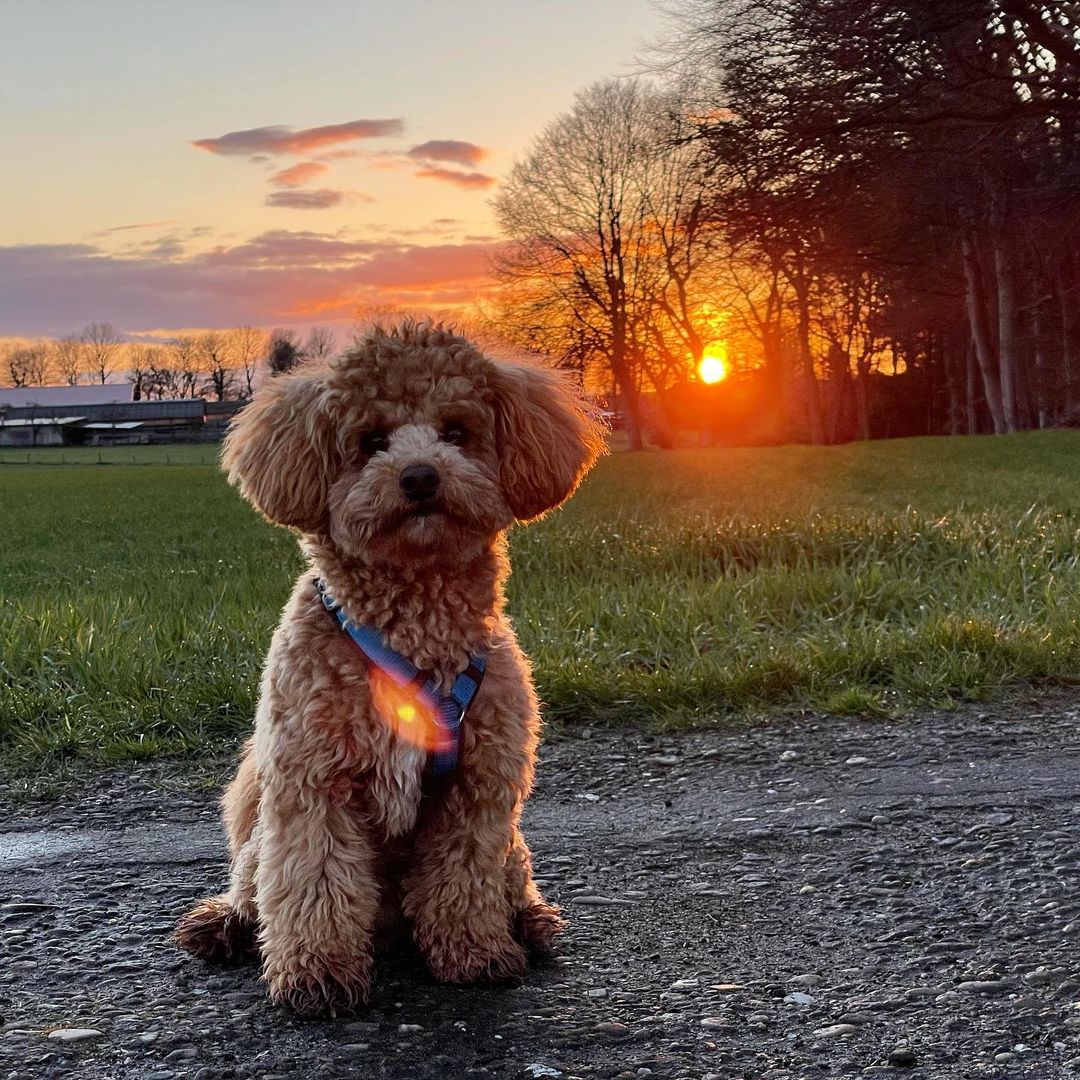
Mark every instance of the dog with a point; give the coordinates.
(401, 464)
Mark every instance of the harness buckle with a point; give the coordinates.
(455, 722)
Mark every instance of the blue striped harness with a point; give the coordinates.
(447, 710)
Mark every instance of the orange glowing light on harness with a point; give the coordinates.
(409, 718)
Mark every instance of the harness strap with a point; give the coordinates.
(447, 710)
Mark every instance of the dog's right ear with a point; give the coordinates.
(278, 451)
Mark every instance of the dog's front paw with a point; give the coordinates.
(321, 988)
(537, 927)
(465, 961)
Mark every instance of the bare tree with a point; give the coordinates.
(215, 351)
(568, 211)
(602, 229)
(249, 346)
(367, 316)
(143, 361)
(162, 380)
(69, 358)
(320, 343)
(187, 369)
(28, 365)
(101, 343)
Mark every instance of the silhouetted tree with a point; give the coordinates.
(319, 344)
(28, 365)
(215, 349)
(101, 349)
(607, 237)
(907, 170)
(249, 347)
(69, 358)
(283, 351)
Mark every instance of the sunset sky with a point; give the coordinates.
(254, 161)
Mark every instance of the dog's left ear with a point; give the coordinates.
(548, 438)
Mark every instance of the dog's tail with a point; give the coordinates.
(215, 930)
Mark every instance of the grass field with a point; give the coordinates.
(678, 588)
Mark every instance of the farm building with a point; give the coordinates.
(98, 416)
(217, 416)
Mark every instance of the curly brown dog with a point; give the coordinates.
(401, 465)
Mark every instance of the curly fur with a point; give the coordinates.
(334, 846)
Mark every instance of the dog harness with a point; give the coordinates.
(446, 710)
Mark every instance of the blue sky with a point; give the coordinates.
(101, 102)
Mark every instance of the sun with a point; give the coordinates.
(714, 364)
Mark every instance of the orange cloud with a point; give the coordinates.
(299, 174)
(136, 225)
(279, 139)
(320, 199)
(460, 153)
(339, 155)
(285, 249)
(422, 267)
(471, 180)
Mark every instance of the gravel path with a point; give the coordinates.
(804, 900)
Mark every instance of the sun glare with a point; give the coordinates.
(713, 367)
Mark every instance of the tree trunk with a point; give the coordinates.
(862, 398)
(1039, 364)
(969, 389)
(633, 422)
(779, 380)
(631, 400)
(950, 373)
(1004, 270)
(1067, 289)
(810, 395)
(982, 333)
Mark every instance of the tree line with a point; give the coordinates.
(218, 364)
(868, 208)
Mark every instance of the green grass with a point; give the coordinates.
(678, 588)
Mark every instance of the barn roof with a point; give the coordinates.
(171, 409)
(67, 396)
(41, 421)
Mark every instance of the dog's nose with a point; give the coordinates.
(419, 482)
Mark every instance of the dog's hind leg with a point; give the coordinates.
(240, 803)
(223, 928)
(216, 931)
(536, 922)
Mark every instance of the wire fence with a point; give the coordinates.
(148, 455)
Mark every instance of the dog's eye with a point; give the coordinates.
(374, 442)
(455, 433)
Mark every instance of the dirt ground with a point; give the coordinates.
(814, 898)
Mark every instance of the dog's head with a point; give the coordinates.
(412, 444)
